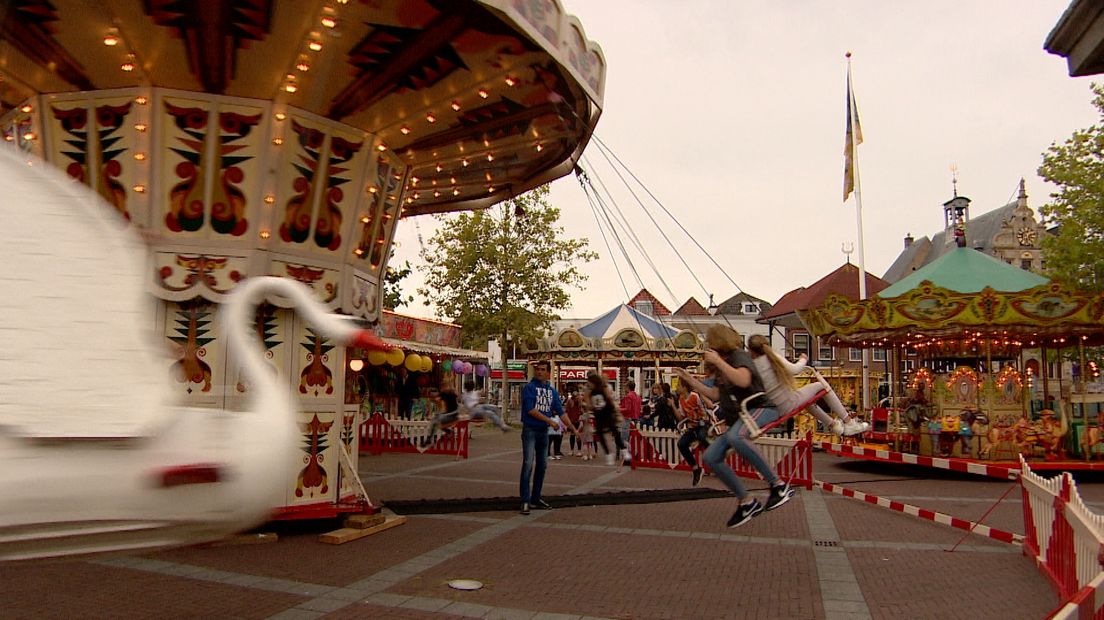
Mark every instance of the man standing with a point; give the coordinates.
(630, 411)
(539, 403)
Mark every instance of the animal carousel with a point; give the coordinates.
(993, 362)
(241, 140)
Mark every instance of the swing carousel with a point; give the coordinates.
(246, 138)
(979, 347)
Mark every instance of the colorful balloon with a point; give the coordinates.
(458, 367)
(446, 365)
(395, 357)
(482, 371)
(427, 363)
(377, 358)
(414, 362)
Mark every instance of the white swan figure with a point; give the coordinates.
(93, 459)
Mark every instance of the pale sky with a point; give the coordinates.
(732, 114)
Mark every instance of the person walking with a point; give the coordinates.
(599, 399)
(736, 379)
(695, 428)
(631, 406)
(540, 403)
(573, 407)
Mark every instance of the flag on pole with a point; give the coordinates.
(854, 137)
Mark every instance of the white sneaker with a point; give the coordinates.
(609, 458)
(627, 456)
(837, 427)
(854, 427)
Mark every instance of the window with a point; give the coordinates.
(750, 308)
(1025, 263)
(909, 364)
(854, 355)
(824, 351)
(800, 345)
(645, 306)
(878, 355)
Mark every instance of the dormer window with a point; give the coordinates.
(645, 307)
(751, 308)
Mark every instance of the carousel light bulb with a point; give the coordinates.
(30, 135)
(490, 189)
(277, 141)
(139, 156)
(455, 192)
(356, 365)
(414, 180)
(452, 180)
(141, 189)
(269, 199)
(315, 45)
(372, 189)
(464, 162)
(436, 194)
(127, 66)
(279, 116)
(359, 251)
(510, 80)
(490, 157)
(265, 234)
(141, 100)
(290, 87)
(456, 106)
(409, 200)
(365, 219)
(381, 147)
(302, 64)
(26, 109)
(539, 147)
(430, 118)
(404, 130)
(111, 39)
(483, 93)
(439, 168)
(329, 22)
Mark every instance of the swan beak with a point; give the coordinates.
(365, 339)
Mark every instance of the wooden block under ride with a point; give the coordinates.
(346, 534)
(361, 522)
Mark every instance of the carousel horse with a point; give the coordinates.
(94, 458)
(1093, 436)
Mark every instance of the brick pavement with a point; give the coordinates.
(672, 560)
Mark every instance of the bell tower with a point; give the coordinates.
(956, 214)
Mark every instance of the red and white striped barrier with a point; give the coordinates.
(952, 464)
(1066, 541)
(929, 515)
(379, 434)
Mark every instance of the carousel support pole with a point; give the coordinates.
(1025, 391)
(988, 367)
(1044, 370)
(1081, 366)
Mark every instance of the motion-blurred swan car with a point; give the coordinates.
(94, 458)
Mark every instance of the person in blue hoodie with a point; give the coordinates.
(540, 402)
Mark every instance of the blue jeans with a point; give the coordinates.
(737, 439)
(534, 445)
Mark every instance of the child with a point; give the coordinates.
(471, 400)
(586, 434)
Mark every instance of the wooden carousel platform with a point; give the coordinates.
(1007, 469)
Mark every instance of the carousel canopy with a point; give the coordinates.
(625, 317)
(962, 295)
(483, 99)
(964, 270)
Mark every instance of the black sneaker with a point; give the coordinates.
(525, 508)
(697, 475)
(779, 494)
(540, 504)
(745, 513)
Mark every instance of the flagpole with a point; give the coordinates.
(853, 115)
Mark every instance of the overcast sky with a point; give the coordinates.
(732, 114)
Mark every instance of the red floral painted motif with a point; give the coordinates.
(229, 202)
(186, 208)
(313, 476)
(193, 322)
(316, 376)
(109, 118)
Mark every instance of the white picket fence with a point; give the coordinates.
(1066, 540)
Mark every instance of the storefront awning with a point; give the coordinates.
(436, 349)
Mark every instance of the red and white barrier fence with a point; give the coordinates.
(922, 513)
(379, 434)
(1066, 540)
(791, 455)
(952, 464)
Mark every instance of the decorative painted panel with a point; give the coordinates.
(184, 125)
(237, 167)
(182, 275)
(424, 331)
(193, 336)
(391, 179)
(324, 282)
(93, 141)
(320, 165)
(316, 471)
(363, 293)
(271, 328)
(316, 365)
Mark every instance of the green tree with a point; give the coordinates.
(503, 271)
(392, 284)
(1076, 254)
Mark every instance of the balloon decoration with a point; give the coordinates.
(414, 362)
(458, 367)
(427, 363)
(377, 358)
(467, 367)
(395, 357)
(482, 371)
(446, 365)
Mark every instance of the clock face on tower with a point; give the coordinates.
(1026, 236)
